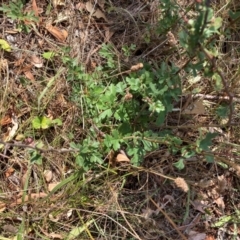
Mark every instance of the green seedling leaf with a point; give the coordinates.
(41, 122)
(179, 164)
(207, 141)
(45, 122)
(49, 55)
(234, 15)
(105, 114)
(5, 45)
(35, 156)
(157, 107)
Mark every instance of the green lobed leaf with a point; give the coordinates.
(207, 141)
(179, 164)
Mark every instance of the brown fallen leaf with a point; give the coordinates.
(220, 202)
(35, 8)
(108, 33)
(29, 76)
(95, 12)
(36, 61)
(196, 107)
(6, 120)
(11, 131)
(122, 158)
(60, 34)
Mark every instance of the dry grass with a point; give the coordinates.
(154, 201)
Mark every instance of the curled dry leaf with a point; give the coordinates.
(36, 61)
(11, 131)
(48, 175)
(58, 33)
(122, 158)
(69, 213)
(136, 67)
(29, 75)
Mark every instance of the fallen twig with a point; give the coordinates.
(43, 150)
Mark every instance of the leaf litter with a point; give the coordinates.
(214, 191)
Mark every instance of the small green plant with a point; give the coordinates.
(45, 122)
(15, 11)
(127, 50)
(120, 111)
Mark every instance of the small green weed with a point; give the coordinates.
(119, 111)
(15, 11)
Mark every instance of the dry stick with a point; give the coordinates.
(20, 145)
(169, 219)
(214, 97)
